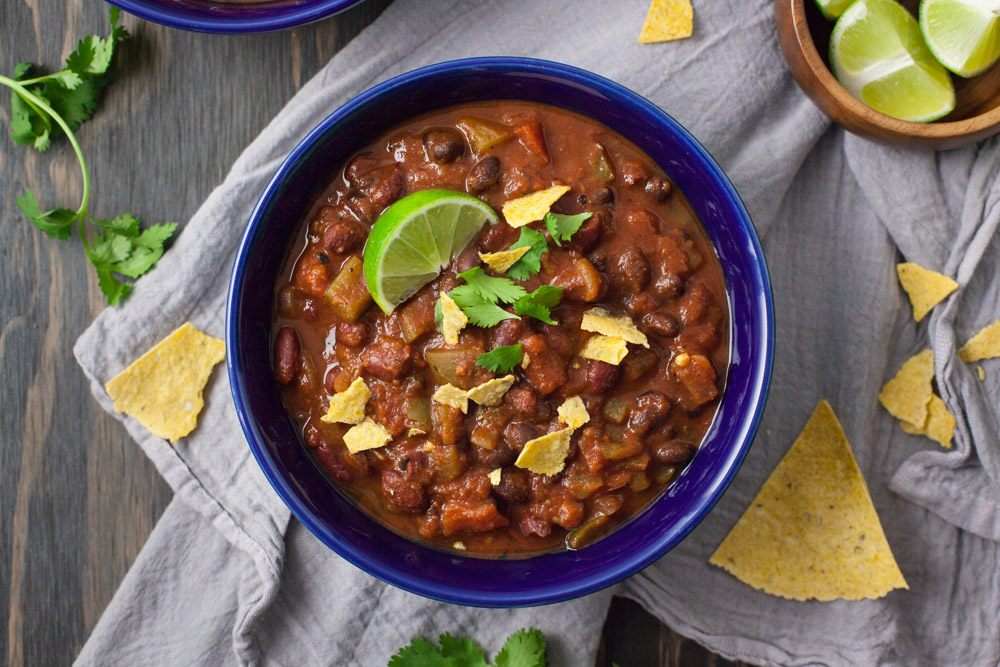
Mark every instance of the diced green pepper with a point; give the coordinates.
(483, 134)
(418, 414)
(453, 366)
(348, 294)
(639, 481)
(581, 484)
(615, 409)
(639, 362)
(616, 451)
(664, 474)
(417, 317)
(588, 532)
(600, 163)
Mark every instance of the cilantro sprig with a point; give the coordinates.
(530, 262)
(479, 297)
(539, 304)
(52, 105)
(501, 359)
(524, 648)
(562, 227)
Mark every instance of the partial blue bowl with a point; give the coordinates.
(233, 17)
(332, 516)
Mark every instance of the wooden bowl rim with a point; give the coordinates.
(858, 109)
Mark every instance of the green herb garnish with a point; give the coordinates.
(539, 304)
(50, 105)
(531, 262)
(562, 227)
(501, 359)
(479, 297)
(524, 648)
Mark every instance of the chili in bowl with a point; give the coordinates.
(612, 349)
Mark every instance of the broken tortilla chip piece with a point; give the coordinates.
(453, 320)
(601, 321)
(348, 407)
(609, 349)
(925, 288)
(906, 396)
(501, 261)
(546, 455)
(415, 432)
(529, 208)
(984, 345)
(981, 373)
(667, 20)
(163, 388)
(573, 412)
(940, 425)
(491, 391)
(369, 434)
(812, 531)
(495, 476)
(451, 395)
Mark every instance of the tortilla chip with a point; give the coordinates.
(163, 388)
(667, 20)
(573, 412)
(546, 455)
(495, 476)
(451, 395)
(459, 545)
(601, 321)
(812, 531)
(981, 373)
(940, 425)
(525, 359)
(984, 345)
(369, 434)
(529, 208)
(348, 407)
(453, 320)
(501, 261)
(925, 288)
(415, 432)
(609, 349)
(906, 396)
(491, 391)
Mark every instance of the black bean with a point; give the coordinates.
(443, 145)
(668, 286)
(630, 272)
(674, 452)
(650, 409)
(484, 175)
(658, 188)
(661, 324)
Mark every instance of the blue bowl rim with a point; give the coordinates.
(259, 18)
(758, 391)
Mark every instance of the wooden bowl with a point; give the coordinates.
(805, 41)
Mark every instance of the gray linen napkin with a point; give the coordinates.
(227, 577)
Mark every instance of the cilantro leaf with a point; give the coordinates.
(21, 70)
(419, 652)
(487, 315)
(539, 303)
(562, 227)
(124, 224)
(57, 223)
(114, 290)
(490, 288)
(524, 648)
(462, 651)
(76, 104)
(531, 262)
(106, 250)
(501, 360)
(147, 250)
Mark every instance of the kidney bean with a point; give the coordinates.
(632, 172)
(547, 370)
(517, 433)
(390, 186)
(650, 409)
(514, 486)
(358, 166)
(342, 236)
(330, 380)
(443, 145)
(494, 238)
(599, 259)
(501, 455)
(484, 175)
(674, 452)
(668, 285)
(643, 221)
(601, 375)
(352, 334)
(661, 324)
(630, 272)
(406, 493)
(658, 188)
(287, 355)
(388, 358)
(532, 524)
(331, 463)
(506, 333)
(523, 400)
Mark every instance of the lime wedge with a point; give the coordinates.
(964, 35)
(833, 8)
(879, 55)
(417, 237)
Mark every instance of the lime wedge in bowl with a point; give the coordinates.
(833, 8)
(964, 35)
(417, 237)
(878, 54)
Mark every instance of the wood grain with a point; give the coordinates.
(77, 496)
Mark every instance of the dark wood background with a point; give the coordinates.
(77, 496)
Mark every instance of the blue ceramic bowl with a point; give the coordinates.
(332, 516)
(232, 17)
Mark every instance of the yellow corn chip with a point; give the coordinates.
(812, 531)
(495, 476)
(519, 212)
(414, 432)
(162, 389)
(925, 288)
(906, 396)
(981, 373)
(546, 455)
(459, 545)
(609, 349)
(984, 345)
(667, 20)
(601, 321)
(940, 426)
(348, 407)
(573, 412)
(491, 391)
(451, 395)
(453, 320)
(369, 434)
(501, 261)
(525, 360)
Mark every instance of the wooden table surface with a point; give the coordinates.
(77, 496)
